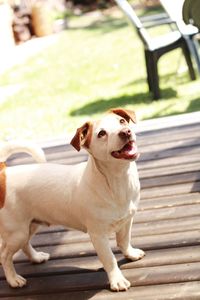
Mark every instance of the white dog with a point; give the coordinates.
(98, 197)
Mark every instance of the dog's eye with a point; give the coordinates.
(101, 133)
(122, 121)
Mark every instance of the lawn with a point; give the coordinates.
(94, 65)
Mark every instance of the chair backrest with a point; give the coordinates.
(129, 12)
(191, 9)
(174, 9)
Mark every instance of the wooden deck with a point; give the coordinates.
(167, 227)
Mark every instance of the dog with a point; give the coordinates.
(99, 197)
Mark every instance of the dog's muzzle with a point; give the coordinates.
(129, 150)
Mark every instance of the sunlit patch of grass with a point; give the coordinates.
(95, 65)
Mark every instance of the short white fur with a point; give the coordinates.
(99, 197)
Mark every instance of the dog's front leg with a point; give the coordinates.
(117, 281)
(123, 237)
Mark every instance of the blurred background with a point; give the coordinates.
(62, 62)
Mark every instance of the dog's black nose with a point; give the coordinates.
(125, 133)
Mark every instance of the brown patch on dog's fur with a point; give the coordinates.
(127, 114)
(82, 137)
(2, 184)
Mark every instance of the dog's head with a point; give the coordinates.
(110, 138)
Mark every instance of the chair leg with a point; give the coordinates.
(155, 77)
(193, 46)
(186, 52)
(152, 73)
(196, 54)
(147, 62)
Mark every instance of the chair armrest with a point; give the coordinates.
(156, 20)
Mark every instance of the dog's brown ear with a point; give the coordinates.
(127, 114)
(82, 137)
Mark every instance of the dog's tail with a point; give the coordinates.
(9, 148)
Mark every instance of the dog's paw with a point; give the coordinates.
(17, 281)
(119, 283)
(40, 257)
(134, 254)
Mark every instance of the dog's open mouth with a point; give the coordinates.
(129, 151)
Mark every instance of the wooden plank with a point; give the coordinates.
(172, 170)
(156, 137)
(170, 129)
(175, 200)
(173, 291)
(145, 156)
(166, 226)
(187, 130)
(169, 161)
(178, 189)
(168, 240)
(164, 274)
(98, 280)
(172, 179)
(167, 213)
(178, 291)
(177, 144)
(144, 139)
(163, 257)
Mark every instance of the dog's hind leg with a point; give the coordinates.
(12, 242)
(33, 255)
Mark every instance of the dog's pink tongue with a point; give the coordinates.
(129, 151)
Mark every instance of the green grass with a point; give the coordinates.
(95, 65)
